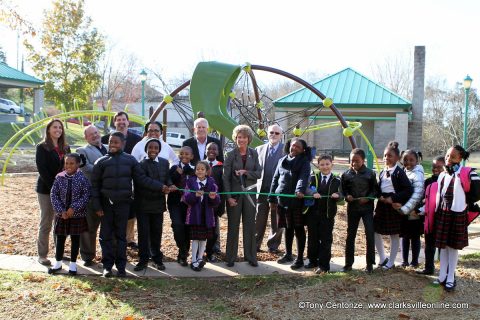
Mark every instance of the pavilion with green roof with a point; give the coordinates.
(13, 78)
(384, 114)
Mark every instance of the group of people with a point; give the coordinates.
(137, 179)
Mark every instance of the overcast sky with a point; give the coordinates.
(300, 36)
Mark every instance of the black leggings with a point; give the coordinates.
(299, 233)
(60, 247)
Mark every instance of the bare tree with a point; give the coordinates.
(396, 73)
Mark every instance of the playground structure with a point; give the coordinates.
(213, 92)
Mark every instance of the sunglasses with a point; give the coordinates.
(275, 133)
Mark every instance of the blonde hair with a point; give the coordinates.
(244, 130)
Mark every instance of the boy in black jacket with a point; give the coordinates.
(178, 209)
(112, 179)
(359, 186)
(321, 216)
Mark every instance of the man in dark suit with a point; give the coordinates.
(121, 123)
(93, 150)
(199, 142)
(268, 156)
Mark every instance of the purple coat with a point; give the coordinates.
(80, 194)
(194, 211)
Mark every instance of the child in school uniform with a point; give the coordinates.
(200, 213)
(359, 187)
(70, 195)
(454, 196)
(321, 216)
(177, 209)
(428, 225)
(412, 225)
(150, 206)
(394, 188)
(216, 172)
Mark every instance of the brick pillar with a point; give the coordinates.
(415, 127)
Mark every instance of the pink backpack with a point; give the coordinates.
(431, 196)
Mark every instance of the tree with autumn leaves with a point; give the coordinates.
(66, 54)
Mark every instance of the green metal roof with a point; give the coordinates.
(11, 77)
(348, 89)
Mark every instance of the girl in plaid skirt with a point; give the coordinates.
(200, 212)
(394, 188)
(451, 214)
(70, 195)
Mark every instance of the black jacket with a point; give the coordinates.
(48, 165)
(325, 205)
(217, 175)
(112, 179)
(192, 143)
(179, 180)
(360, 184)
(401, 184)
(290, 177)
(150, 201)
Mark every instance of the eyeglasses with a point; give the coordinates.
(275, 133)
(153, 131)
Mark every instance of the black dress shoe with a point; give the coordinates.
(140, 266)
(346, 269)
(72, 272)
(253, 263)
(159, 265)
(201, 264)
(425, 272)
(369, 269)
(311, 265)
(121, 274)
(182, 261)
(88, 263)
(54, 270)
(230, 264)
(285, 259)
(107, 273)
(297, 264)
(384, 263)
(197, 268)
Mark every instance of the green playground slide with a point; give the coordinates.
(210, 87)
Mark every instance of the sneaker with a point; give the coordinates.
(285, 259)
(107, 273)
(44, 261)
(88, 263)
(159, 265)
(297, 264)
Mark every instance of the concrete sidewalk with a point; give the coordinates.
(211, 270)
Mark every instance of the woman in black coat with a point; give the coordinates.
(49, 160)
(292, 177)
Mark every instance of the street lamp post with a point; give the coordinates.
(467, 83)
(143, 77)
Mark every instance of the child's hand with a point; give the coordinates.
(388, 200)
(414, 215)
(240, 172)
(179, 170)
(317, 195)
(199, 193)
(349, 198)
(64, 216)
(335, 195)
(362, 201)
(165, 189)
(70, 212)
(299, 195)
(173, 188)
(396, 205)
(99, 213)
(212, 195)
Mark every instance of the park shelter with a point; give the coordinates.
(13, 78)
(384, 114)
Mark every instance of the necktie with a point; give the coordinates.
(211, 164)
(202, 185)
(324, 181)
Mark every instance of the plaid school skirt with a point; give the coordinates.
(290, 218)
(451, 229)
(72, 226)
(387, 220)
(200, 232)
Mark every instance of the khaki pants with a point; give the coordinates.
(45, 226)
